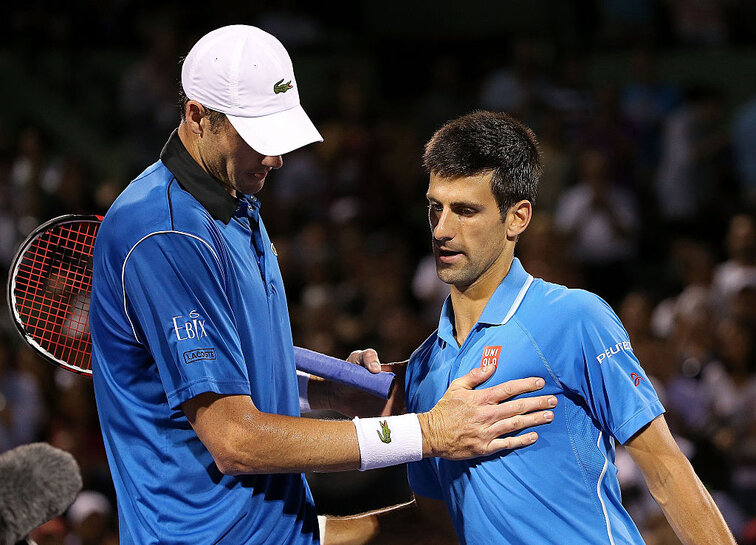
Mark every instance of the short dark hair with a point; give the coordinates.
(484, 141)
(216, 119)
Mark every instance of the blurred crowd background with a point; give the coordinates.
(646, 115)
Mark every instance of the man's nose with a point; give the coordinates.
(443, 228)
(273, 161)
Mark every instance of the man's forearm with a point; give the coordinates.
(285, 444)
(671, 480)
(688, 506)
(465, 423)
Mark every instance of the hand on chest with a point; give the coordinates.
(512, 356)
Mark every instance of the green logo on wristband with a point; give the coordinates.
(385, 434)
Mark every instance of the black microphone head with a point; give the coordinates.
(37, 483)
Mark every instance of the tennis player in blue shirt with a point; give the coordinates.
(484, 169)
(193, 362)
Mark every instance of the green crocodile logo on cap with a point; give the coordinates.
(385, 434)
(281, 87)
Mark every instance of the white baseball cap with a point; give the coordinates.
(246, 73)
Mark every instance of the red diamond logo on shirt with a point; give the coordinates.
(490, 356)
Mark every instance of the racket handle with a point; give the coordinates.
(380, 384)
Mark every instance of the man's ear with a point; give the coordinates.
(518, 218)
(194, 112)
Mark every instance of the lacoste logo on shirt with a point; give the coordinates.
(281, 87)
(190, 356)
(490, 356)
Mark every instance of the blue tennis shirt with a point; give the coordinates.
(562, 489)
(187, 298)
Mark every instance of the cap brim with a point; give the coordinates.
(278, 133)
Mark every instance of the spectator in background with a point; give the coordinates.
(428, 289)
(21, 404)
(73, 427)
(626, 21)
(692, 264)
(742, 306)
(699, 22)
(8, 231)
(52, 532)
(739, 270)
(445, 96)
(512, 88)
(600, 222)
(723, 419)
(646, 100)
(609, 132)
(556, 159)
(692, 171)
(90, 518)
(570, 94)
(731, 383)
(295, 28)
(693, 341)
(542, 250)
(347, 140)
(70, 190)
(29, 168)
(743, 136)
(297, 187)
(148, 94)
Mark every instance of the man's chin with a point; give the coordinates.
(251, 186)
(445, 274)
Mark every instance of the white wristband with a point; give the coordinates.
(389, 441)
(303, 379)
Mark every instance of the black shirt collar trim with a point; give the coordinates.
(203, 187)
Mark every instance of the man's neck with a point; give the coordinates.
(468, 302)
(189, 140)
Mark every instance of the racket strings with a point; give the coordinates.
(52, 291)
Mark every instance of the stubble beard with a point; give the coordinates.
(460, 276)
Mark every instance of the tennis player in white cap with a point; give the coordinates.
(193, 362)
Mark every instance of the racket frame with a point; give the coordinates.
(11, 298)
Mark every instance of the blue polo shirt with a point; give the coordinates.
(562, 489)
(187, 298)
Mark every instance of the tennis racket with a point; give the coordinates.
(49, 288)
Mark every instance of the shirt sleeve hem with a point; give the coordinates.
(637, 421)
(201, 386)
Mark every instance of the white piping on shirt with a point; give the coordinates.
(598, 490)
(123, 268)
(518, 299)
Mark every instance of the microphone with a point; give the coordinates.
(37, 483)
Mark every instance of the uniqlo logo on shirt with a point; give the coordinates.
(490, 356)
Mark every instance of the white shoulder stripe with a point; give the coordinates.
(123, 268)
(518, 300)
(598, 491)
